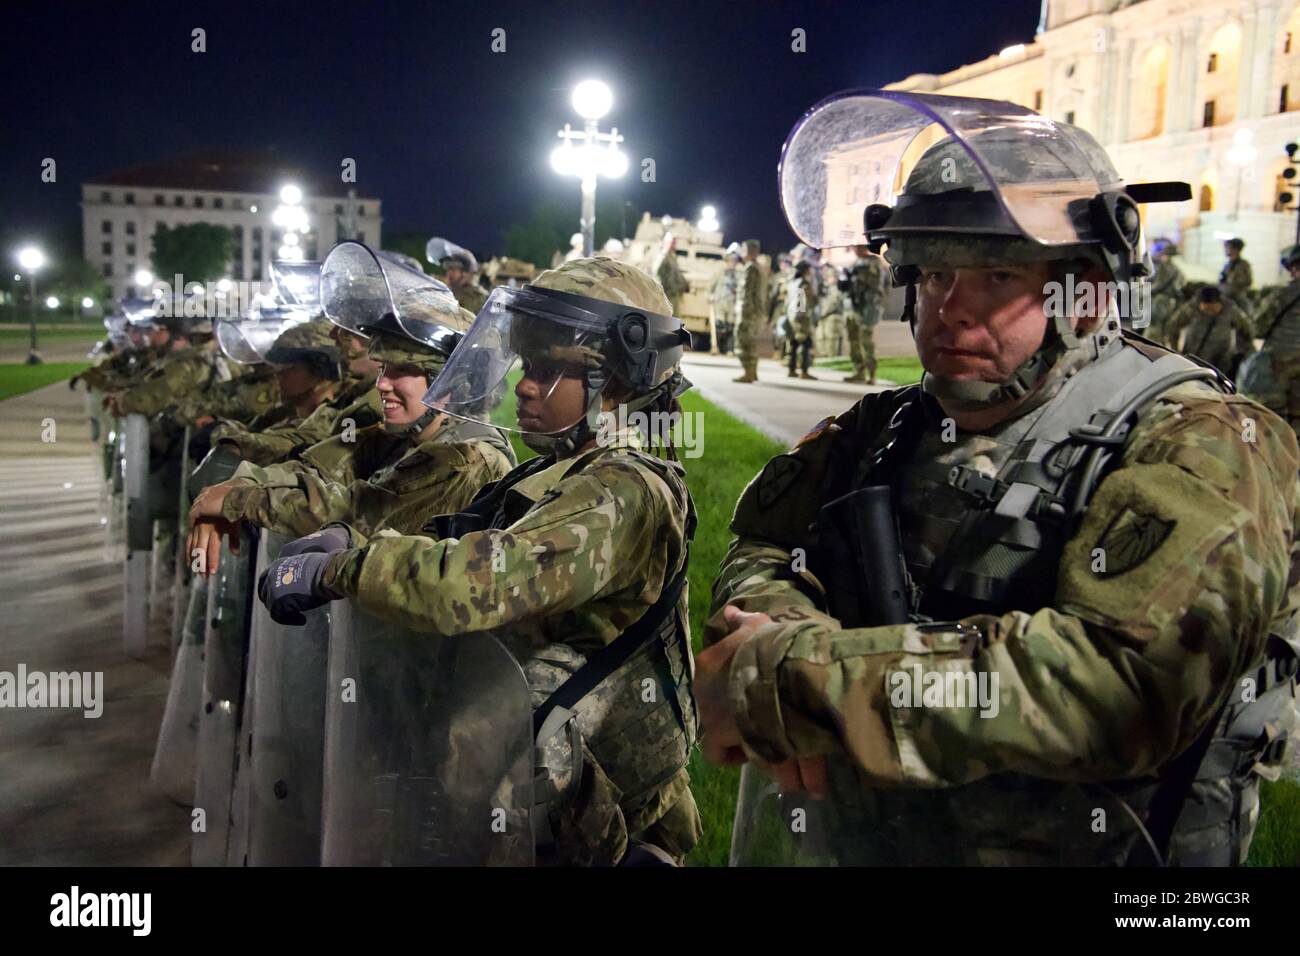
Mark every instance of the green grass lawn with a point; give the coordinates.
(89, 332)
(902, 370)
(17, 378)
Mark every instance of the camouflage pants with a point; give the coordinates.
(1280, 391)
(862, 346)
(747, 345)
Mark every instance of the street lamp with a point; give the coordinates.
(31, 259)
(589, 153)
(52, 302)
(1242, 154)
(292, 218)
(143, 278)
(708, 220)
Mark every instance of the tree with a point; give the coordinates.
(551, 223)
(77, 279)
(198, 252)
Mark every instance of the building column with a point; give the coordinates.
(1120, 127)
(1268, 28)
(1246, 67)
(1189, 82)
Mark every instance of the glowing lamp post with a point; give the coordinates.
(589, 153)
(30, 259)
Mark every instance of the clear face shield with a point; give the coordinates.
(523, 334)
(297, 284)
(116, 330)
(861, 148)
(364, 292)
(247, 341)
(437, 249)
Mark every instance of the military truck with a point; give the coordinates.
(700, 256)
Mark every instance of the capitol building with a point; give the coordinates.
(1204, 91)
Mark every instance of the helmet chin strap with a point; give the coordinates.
(568, 442)
(412, 430)
(965, 395)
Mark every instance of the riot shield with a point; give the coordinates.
(428, 748)
(225, 647)
(172, 771)
(276, 817)
(139, 534)
(853, 826)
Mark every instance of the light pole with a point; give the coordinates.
(30, 259)
(290, 216)
(708, 220)
(589, 153)
(1241, 155)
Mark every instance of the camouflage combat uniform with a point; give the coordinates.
(866, 294)
(262, 444)
(183, 374)
(470, 295)
(579, 550)
(1222, 340)
(1166, 296)
(751, 313)
(722, 300)
(1278, 321)
(830, 325)
(800, 301)
(1236, 278)
(1107, 672)
(399, 486)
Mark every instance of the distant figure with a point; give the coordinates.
(1236, 278)
(669, 273)
(866, 292)
(751, 312)
(722, 301)
(1214, 329)
(1168, 289)
(799, 304)
(1272, 377)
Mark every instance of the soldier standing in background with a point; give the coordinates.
(800, 301)
(669, 273)
(1272, 377)
(866, 292)
(1236, 278)
(722, 301)
(1213, 328)
(1167, 289)
(751, 312)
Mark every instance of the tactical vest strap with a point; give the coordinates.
(613, 655)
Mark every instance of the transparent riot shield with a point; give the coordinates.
(276, 816)
(428, 749)
(225, 648)
(172, 771)
(181, 560)
(139, 534)
(852, 826)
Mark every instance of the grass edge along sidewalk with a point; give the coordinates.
(17, 378)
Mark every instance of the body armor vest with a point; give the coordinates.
(985, 529)
(596, 704)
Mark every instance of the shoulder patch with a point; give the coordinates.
(1130, 539)
(816, 432)
(776, 478)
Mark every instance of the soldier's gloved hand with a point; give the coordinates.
(294, 585)
(331, 538)
(219, 464)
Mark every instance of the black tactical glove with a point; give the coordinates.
(294, 585)
(219, 465)
(331, 538)
(201, 439)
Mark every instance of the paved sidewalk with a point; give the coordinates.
(73, 790)
(780, 407)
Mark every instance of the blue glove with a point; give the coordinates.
(294, 585)
(331, 538)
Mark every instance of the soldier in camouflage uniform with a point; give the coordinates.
(391, 475)
(751, 312)
(1273, 378)
(778, 285)
(799, 303)
(669, 273)
(1236, 277)
(1167, 291)
(191, 365)
(1134, 617)
(459, 271)
(1213, 328)
(722, 302)
(829, 319)
(866, 291)
(562, 556)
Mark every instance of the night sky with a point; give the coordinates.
(455, 139)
